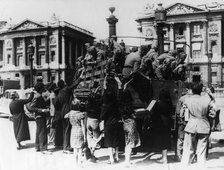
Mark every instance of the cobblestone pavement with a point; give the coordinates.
(28, 159)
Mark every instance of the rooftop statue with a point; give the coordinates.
(149, 9)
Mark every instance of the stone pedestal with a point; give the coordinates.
(112, 20)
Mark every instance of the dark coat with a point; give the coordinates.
(110, 112)
(20, 122)
(162, 122)
(63, 100)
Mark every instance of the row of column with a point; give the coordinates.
(188, 37)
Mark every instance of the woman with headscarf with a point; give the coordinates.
(20, 122)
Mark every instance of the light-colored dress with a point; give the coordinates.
(77, 136)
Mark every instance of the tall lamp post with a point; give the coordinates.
(30, 51)
(210, 55)
(160, 18)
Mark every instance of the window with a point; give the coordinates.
(52, 55)
(180, 48)
(41, 59)
(19, 43)
(165, 32)
(196, 48)
(196, 68)
(197, 29)
(180, 31)
(17, 75)
(52, 78)
(42, 41)
(8, 59)
(214, 74)
(19, 60)
(197, 53)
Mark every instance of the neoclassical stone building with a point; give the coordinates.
(197, 30)
(57, 45)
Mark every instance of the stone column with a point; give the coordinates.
(76, 49)
(47, 54)
(188, 39)
(13, 52)
(63, 49)
(112, 20)
(24, 52)
(35, 55)
(70, 52)
(205, 37)
(171, 36)
(155, 40)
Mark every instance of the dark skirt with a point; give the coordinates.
(162, 138)
(111, 135)
(21, 127)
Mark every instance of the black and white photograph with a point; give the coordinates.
(111, 84)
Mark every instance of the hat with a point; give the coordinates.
(39, 87)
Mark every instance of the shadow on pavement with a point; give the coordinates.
(29, 145)
(215, 155)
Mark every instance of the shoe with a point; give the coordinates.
(177, 159)
(161, 161)
(46, 152)
(116, 160)
(110, 162)
(19, 147)
(67, 152)
(37, 150)
(93, 159)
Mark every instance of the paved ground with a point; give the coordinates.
(28, 159)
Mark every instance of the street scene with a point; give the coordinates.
(11, 158)
(92, 85)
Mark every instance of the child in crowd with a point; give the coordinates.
(78, 135)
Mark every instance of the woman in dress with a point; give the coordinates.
(110, 116)
(20, 122)
(162, 121)
(132, 139)
(78, 135)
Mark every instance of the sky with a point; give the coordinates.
(87, 14)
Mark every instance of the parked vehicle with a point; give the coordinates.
(8, 84)
(5, 100)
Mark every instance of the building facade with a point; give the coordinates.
(56, 47)
(197, 30)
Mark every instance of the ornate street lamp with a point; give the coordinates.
(30, 51)
(210, 55)
(160, 18)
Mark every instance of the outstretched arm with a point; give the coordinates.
(77, 81)
(25, 101)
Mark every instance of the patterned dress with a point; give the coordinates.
(77, 136)
(132, 138)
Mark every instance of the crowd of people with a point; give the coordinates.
(107, 116)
